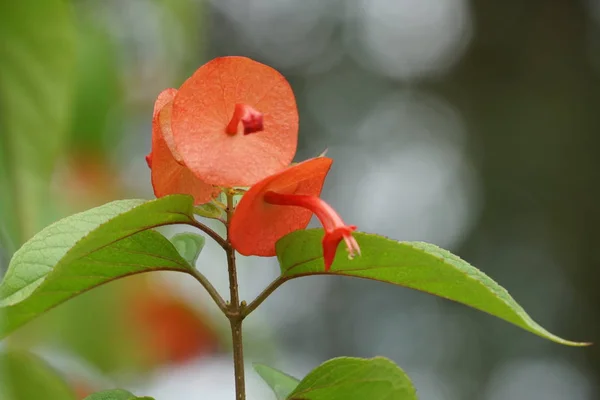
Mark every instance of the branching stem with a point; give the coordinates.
(234, 310)
(214, 294)
(263, 295)
(214, 235)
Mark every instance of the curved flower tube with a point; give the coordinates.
(169, 174)
(284, 202)
(235, 122)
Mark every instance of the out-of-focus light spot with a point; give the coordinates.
(340, 100)
(152, 44)
(408, 177)
(524, 261)
(407, 39)
(286, 33)
(539, 379)
(409, 334)
(417, 323)
(593, 7)
(128, 154)
(593, 33)
(430, 385)
(73, 367)
(414, 338)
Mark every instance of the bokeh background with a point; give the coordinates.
(469, 124)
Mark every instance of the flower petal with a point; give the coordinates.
(204, 106)
(168, 175)
(256, 225)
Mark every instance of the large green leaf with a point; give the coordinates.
(37, 53)
(24, 376)
(281, 383)
(415, 265)
(88, 249)
(115, 394)
(348, 378)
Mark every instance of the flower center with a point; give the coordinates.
(250, 118)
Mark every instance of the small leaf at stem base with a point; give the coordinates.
(189, 245)
(281, 383)
(348, 378)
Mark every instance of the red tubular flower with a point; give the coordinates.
(169, 174)
(284, 202)
(235, 122)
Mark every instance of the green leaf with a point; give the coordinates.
(88, 249)
(37, 49)
(415, 265)
(115, 394)
(189, 245)
(23, 376)
(349, 378)
(208, 210)
(281, 383)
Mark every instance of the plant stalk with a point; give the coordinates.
(234, 313)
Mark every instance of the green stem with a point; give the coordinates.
(235, 311)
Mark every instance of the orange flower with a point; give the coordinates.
(284, 202)
(168, 329)
(235, 122)
(169, 174)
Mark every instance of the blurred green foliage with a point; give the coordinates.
(97, 104)
(37, 53)
(23, 376)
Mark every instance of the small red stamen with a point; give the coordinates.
(335, 228)
(251, 119)
(149, 160)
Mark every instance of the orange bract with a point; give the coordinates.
(260, 141)
(256, 225)
(168, 175)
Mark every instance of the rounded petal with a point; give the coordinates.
(164, 97)
(168, 175)
(256, 225)
(204, 106)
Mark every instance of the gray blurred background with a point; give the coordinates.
(469, 124)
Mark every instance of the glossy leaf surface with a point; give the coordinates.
(415, 265)
(88, 249)
(349, 378)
